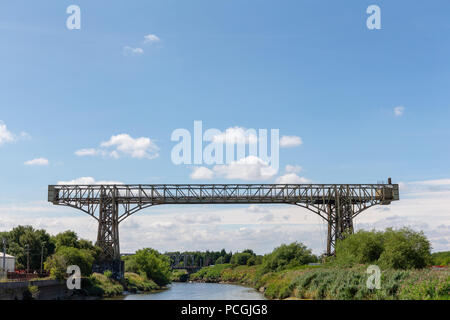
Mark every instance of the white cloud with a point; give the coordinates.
(5, 135)
(133, 51)
(37, 162)
(124, 144)
(291, 178)
(237, 135)
(86, 180)
(256, 209)
(293, 169)
(201, 173)
(88, 152)
(151, 38)
(290, 141)
(398, 111)
(249, 168)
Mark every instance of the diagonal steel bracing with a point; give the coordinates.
(338, 204)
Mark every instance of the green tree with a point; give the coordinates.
(405, 249)
(240, 258)
(151, 263)
(66, 239)
(21, 238)
(359, 248)
(287, 256)
(65, 256)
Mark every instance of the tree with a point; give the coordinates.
(65, 256)
(287, 256)
(22, 237)
(359, 248)
(390, 249)
(66, 239)
(151, 263)
(240, 258)
(405, 249)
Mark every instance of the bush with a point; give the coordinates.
(240, 259)
(135, 282)
(287, 256)
(65, 256)
(391, 249)
(103, 286)
(150, 262)
(405, 249)
(211, 273)
(359, 248)
(441, 258)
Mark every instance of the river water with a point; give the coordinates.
(200, 291)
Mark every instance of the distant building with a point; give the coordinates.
(10, 262)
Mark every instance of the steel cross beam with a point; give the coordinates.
(338, 204)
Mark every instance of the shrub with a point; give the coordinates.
(240, 259)
(287, 256)
(405, 249)
(150, 262)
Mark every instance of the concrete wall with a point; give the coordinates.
(47, 290)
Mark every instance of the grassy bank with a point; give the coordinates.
(326, 282)
(101, 285)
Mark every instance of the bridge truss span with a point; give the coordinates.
(337, 204)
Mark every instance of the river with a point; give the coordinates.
(200, 291)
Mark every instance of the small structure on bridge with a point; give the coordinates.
(337, 204)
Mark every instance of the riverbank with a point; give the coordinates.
(325, 282)
(104, 286)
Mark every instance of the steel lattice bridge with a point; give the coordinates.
(338, 204)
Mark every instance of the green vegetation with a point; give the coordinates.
(441, 258)
(151, 263)
(287, 257)
(71, 251)
(198, 258)
(22, 237)
(391, 249)
(210, 274)
(285, 273)
(179, 275)
(136, 283)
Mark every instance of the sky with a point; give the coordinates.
(100, 103)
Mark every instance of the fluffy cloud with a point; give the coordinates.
(151, 38)
(249, 168)
(89, 152)
(86, 180)
(37, 162)
(293, 169)
(290, 141)
(398, 111)
(291, 178)
(124, 144)
(201, 173)
(7, 136)
(133, 51)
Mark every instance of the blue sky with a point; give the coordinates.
(309, 68)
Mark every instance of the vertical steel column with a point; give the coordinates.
(108, 225)
(340, 218)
